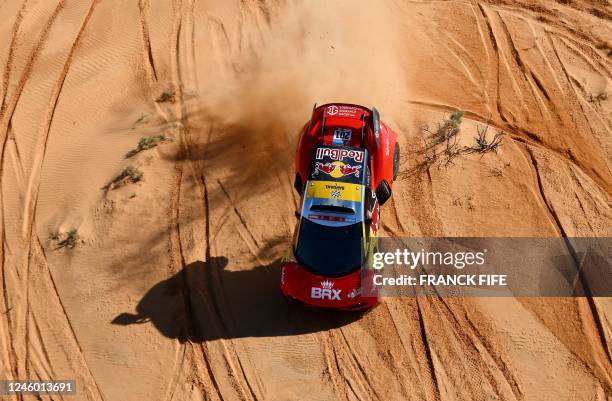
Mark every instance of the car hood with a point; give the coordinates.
(333, 203)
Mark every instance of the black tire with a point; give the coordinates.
(396, 161)
(383, 193)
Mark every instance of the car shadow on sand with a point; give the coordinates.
(206, 301)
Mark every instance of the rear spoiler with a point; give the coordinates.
(375, 124)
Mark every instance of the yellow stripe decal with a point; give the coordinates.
(334, 190)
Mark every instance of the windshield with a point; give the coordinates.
(328, 250)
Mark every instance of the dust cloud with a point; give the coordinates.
(261, 95)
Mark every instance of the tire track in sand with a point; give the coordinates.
(39, 261)
(333, 370)
(6, 113)
(8, 108)
(177, 267)
(214, 301)
(345, 367)
(32, 243)
(143, 7)
(232, 359)
(11, 55)
(597, 319)
(428, 353)
(33, 186)
(208, 383)
(31, 193)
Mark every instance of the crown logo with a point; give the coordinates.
(327, 285)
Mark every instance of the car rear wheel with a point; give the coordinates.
(396, 161)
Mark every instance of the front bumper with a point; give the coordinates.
(343, 292)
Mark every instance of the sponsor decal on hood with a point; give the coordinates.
(337, 169)
(334, 190)
(340, 154)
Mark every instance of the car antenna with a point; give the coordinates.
(362, 127)
(311, 117)
(323, 127)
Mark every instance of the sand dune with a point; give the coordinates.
(169, 290)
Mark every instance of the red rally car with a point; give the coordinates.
(346, 162)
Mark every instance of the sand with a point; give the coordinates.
(170, 291)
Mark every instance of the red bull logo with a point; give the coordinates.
(340, 154)
(337, 169)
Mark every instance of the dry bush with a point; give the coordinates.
(128, 174)
(482, 143)
(442, 144)
(166, 96)
(451, 151)
(148, 142)
(65, 240)
(445, 133)
(598, 97)
(446, 130)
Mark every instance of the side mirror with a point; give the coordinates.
(383, 192)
